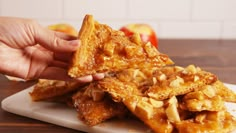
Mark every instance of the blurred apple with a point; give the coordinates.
(65, 28)
(146, 32)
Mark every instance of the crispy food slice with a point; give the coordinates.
(148, 110)
(163, 83)
(205, 99)
(166, 98)
(63, 99)
(227, 94)
(161, 115)
(104, 50)
(127, 87)
(208, 121)
(52, 89)
(174, 82)
(209, 97)
(94, 106)
(151, 112)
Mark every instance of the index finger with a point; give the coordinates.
(65, 36)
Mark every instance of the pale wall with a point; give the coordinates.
(212, 19)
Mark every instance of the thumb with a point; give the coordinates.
(57, 42)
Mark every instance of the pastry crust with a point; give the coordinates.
(168, 103)
(183, 99)
(179, 82)
(225, 93)
(94, 106)
(104, 50)
(218, 122)
(51, 89)
(140, 79)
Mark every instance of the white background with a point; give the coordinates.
(198, 19)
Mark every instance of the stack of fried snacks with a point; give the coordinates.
(140, 82)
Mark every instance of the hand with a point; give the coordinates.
(30, 51)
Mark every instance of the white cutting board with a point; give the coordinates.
(59, 114)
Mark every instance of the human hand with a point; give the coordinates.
(30, 51)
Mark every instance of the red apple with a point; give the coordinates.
(65, 28)
(146, 32)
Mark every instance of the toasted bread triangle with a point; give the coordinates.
(104, 49)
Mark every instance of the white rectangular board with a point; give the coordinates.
(60, 114)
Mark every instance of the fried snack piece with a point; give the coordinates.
(127, 87)
(106, 50)
(161, 115)
(149, 110)
(163, 83)
(209, 97)
(174, 81)
(94, 106)
(226, 94)
(205, 99)
(50, 89)
(166, 116)
(208, 121)
(63, 99)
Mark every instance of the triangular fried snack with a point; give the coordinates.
(94, 106)
(227, 94)
(148, 110)
(104, 49)
(205, 122)
(171, 82)
(145, 103)
(209, 97)
(50, 89)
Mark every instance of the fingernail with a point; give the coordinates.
(85, 79)
(75, 43)
(98, 76)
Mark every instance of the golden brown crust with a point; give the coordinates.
(224, 92)
(153, 115)
(166, 98)
(164, 111)
(139, 105)
(94, 108)
(104, 49)
(218, 122)
(160, 83)
(48, 89)
(179, 82)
